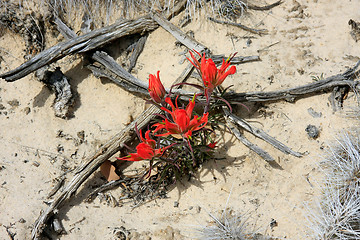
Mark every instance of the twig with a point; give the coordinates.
(105, 187)
(236, 60)
(260, 134)
(186, 40)
(262, 153)
(252, 30)
(290, 94)
(264, 8)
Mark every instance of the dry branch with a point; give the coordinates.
(259, 151)
(138, 48)
(260, 134)
(81, 44)
(263, 8)
(179, 35)
(290, 94)
(243, 27)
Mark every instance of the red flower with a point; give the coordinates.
(212, 145)
(145, 150)
(156, 89)
(182, 123)
(211, 75)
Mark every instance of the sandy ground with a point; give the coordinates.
(310, 38)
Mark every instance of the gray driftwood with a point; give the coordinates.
(290, 94)
(82, 44)
(179, 35)
(59, 84)
(259, 151)
(263, 8)
(243, 27)
(259, 133)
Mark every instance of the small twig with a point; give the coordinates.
(262, 153)
(182, 37)
(103, 188)
(264, 8)
(290, 94)
(260, 134)
(236, 60)
(252, 30)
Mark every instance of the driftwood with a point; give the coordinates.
(243, 27)
(263, 8)
(259, 133)
(290, 94)
(59, 84)
(136, 51)
(235, 60)
(259, 151)
(82, 44)
(87, 42)
(179, 35)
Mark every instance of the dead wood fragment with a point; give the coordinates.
(179, 35)
(103, 188)
(290, 94)
(64, 30)
(355, 29)
(138, 48)
(243, 27)
(58, 83)
(338, 96)
(81, 44)
(263, 8)
(260, 134)
(262, 153)
(235, 60)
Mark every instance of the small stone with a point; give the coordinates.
(36, 164)
(313, 113)
(14, 103)
(21, 220)
(27, 110)
(176, 204)
(2, 107)
(198, 209)
(312, 131)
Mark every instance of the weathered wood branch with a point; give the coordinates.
(179, 35)
(80, 44)
(259, 151)
(263, 8)
(138, 48)
(259, 133)
(243, 27)
(290, 94)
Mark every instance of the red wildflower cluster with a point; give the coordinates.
(177, 120)
(210, 74)
(182, 123)
(145, 150)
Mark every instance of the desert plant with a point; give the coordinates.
(338, 209)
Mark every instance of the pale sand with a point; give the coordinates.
(314, 42)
